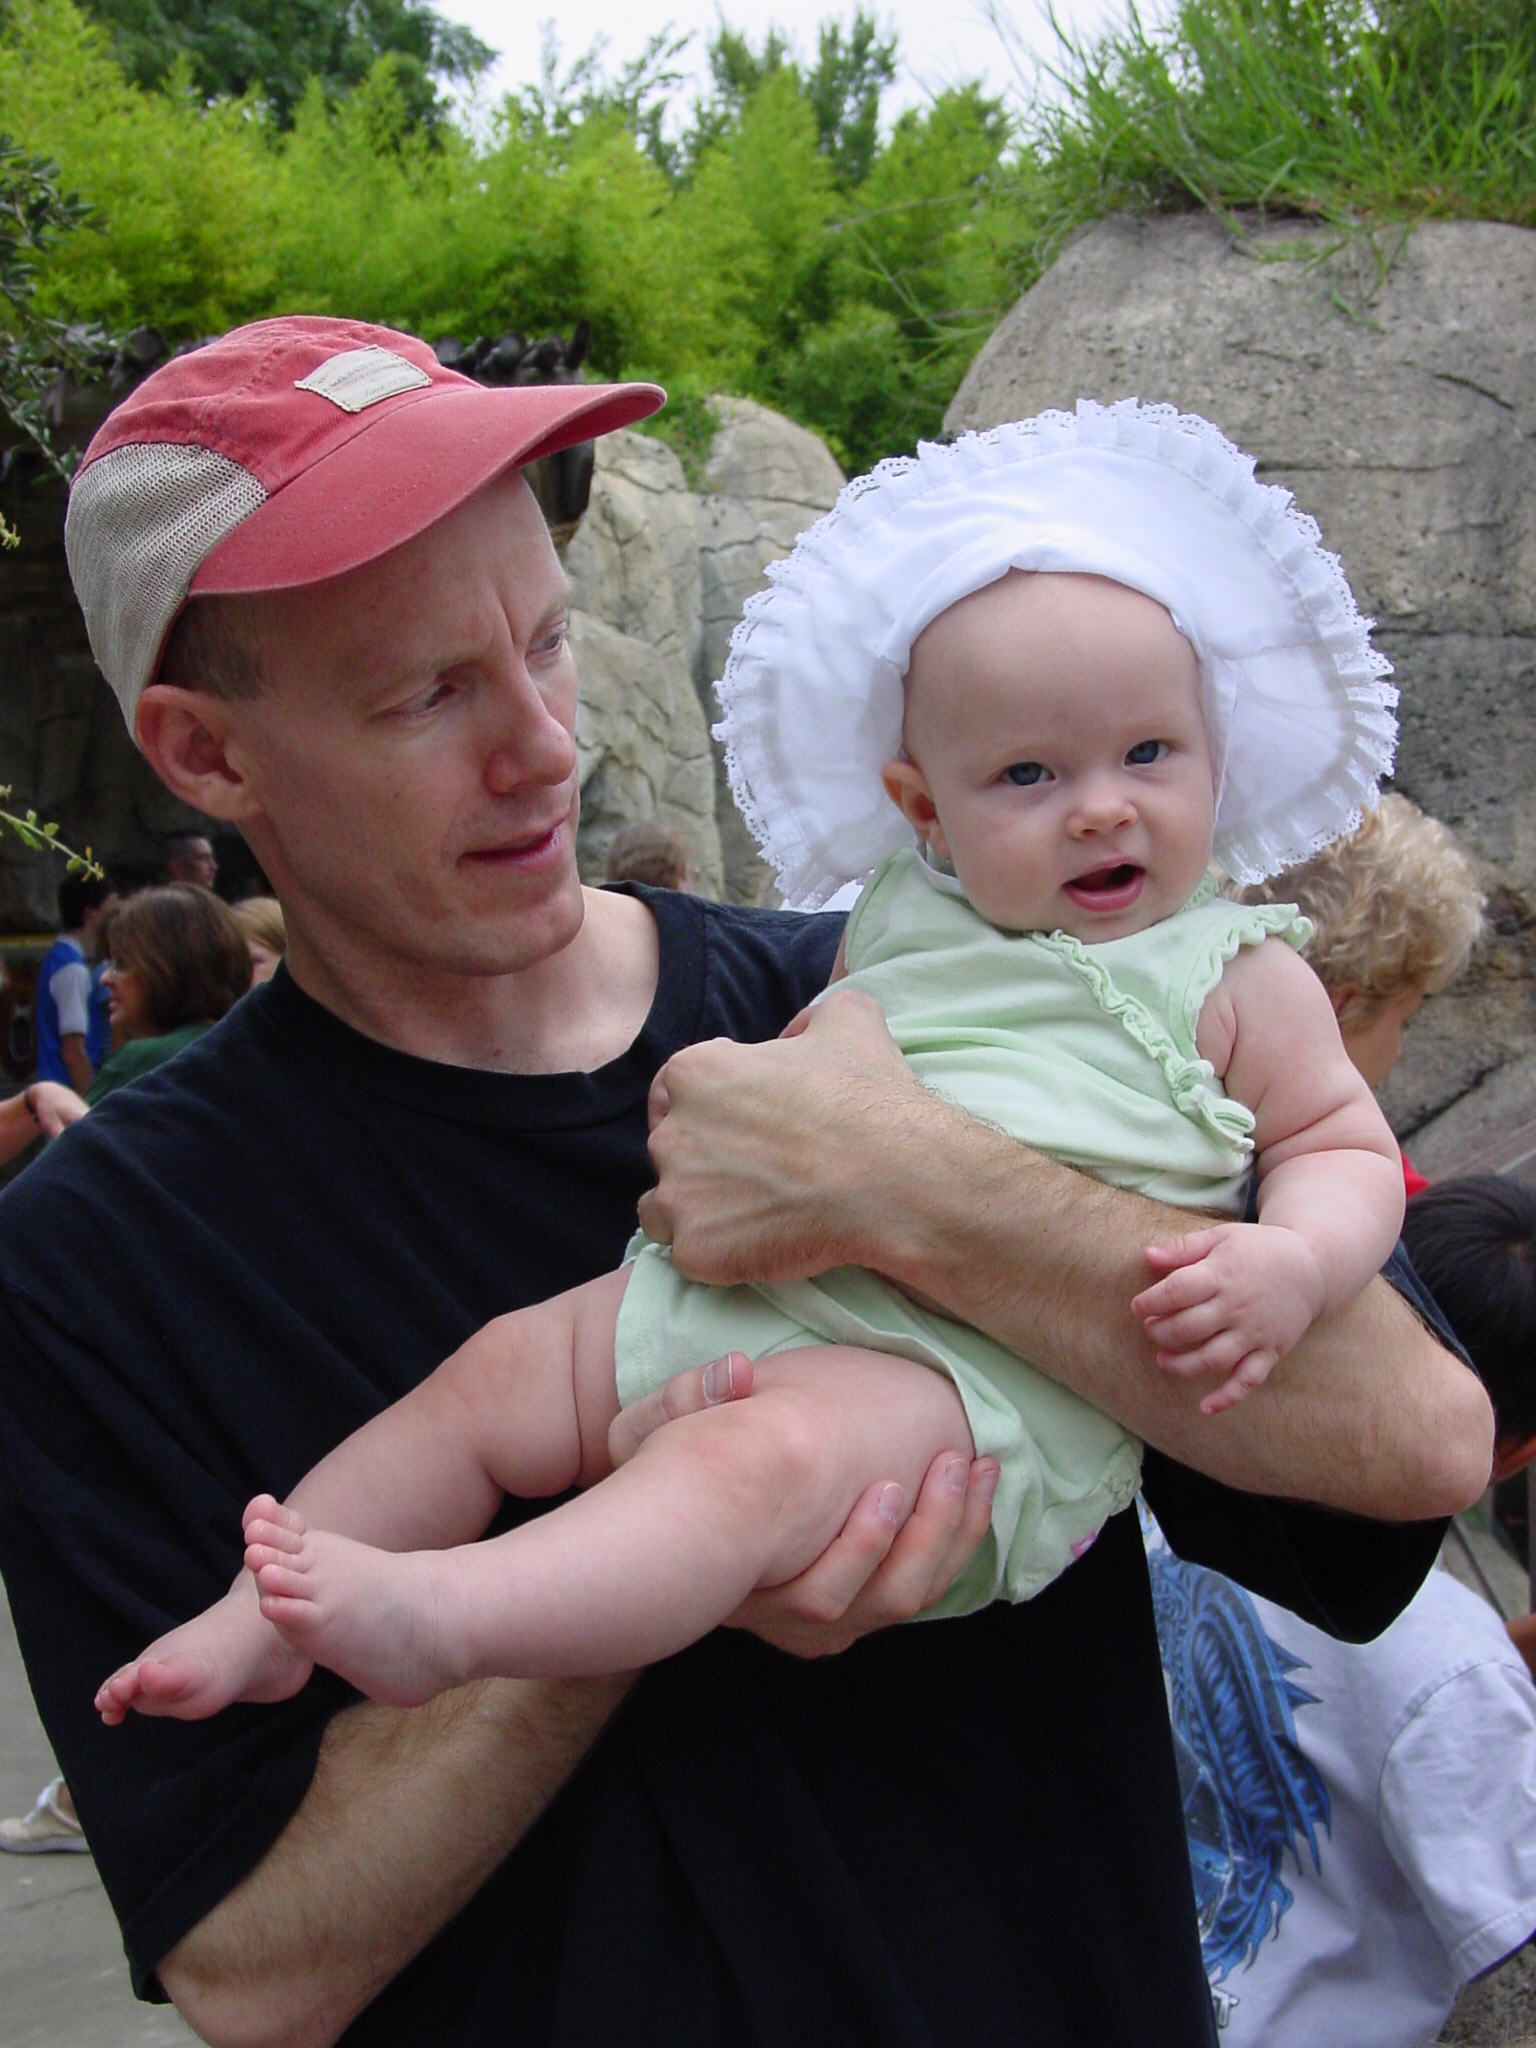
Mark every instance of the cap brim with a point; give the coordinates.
(418, 461)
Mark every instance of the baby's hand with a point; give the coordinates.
(1236, 1298)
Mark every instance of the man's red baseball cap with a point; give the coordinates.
(287, 452)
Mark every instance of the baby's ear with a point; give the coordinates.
(907, 787)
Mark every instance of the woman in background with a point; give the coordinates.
(177, 962)
(260, 918)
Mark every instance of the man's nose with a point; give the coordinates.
(529, 740)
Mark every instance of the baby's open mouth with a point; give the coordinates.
(1108, 888)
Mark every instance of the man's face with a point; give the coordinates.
(411, 755)
(195, 861)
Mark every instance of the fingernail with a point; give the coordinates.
(986, 1481)
(957, 1475)
(891, 1498)
(718, 1380)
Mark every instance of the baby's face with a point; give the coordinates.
(1058, 755)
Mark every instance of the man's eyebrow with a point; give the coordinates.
(558, 604)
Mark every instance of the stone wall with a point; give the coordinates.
(1391, 385)
(668, 570)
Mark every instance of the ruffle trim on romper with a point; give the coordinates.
(1191, 1081)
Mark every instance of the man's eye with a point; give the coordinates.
(1145, 752)
(1025, 774)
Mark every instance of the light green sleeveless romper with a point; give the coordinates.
(1084, 1052)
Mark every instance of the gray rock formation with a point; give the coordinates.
(1391, 385)
(765, 482)
(668, 573)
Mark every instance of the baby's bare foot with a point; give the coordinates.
(225, 1654)
(371, 1615)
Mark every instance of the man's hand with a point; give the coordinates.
(886, 1565)
(768, 1156)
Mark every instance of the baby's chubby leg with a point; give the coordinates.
(509, 1412)
(644, 1563)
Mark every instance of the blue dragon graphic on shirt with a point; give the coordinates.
(1251, 1797)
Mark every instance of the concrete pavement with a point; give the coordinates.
(63, 1980)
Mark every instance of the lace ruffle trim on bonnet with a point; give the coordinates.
(1297, 707)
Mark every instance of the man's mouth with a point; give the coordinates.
(527, 849)
(1107, 889)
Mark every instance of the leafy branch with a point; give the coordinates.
(43, 837)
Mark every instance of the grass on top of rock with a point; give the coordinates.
(1331, 109)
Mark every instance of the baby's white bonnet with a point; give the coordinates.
(1296, 703)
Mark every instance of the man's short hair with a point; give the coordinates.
(1396, 908)
(648, 851)
(79, 894)
(1473, 1242)
(209, 649)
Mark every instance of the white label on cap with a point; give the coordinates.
(360, 377)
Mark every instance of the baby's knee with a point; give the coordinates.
(758, 1455)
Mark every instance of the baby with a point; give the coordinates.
(1032, 680)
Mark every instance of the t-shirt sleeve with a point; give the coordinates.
(95, 1566)
(1458, 1811)
(70, 988)
(1344, 1573)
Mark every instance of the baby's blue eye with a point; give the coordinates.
(1025, 774)
(1145, 752)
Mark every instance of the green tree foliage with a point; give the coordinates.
(771, 238)
(35, 213)
(273, 49)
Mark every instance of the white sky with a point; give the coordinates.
(941, 41)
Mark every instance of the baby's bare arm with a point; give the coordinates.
(1236, 1297)
(1329, 1167)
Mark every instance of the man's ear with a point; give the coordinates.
(185, 735)
(907, 787)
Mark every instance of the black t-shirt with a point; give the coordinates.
(958, 1831)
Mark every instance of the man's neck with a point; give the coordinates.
(571, 1012)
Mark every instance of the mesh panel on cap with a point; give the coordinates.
(140, 521)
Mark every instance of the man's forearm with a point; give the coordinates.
(780, 1160)
(1367, 1413)
(407, 1815)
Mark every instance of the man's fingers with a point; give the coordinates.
(809, 1616)
(659, 1101)
(723, 1379)
(945, 1526)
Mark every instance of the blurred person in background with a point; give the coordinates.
(178, 962)
(1396, 911)
(650, 852)
(260, 918)
(189, 857)
(69, 1049)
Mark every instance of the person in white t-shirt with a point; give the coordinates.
(1362, 1818)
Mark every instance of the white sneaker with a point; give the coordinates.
(46, 1831)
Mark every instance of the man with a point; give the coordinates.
(188, 857)
(437, 1110)
(71, 1040)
